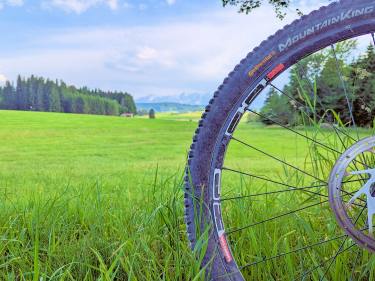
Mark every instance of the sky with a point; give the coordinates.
(146, 48)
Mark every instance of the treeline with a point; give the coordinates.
(318, 88)
(39, 94)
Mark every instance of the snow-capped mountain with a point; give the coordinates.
(184, 98)
(200, 99)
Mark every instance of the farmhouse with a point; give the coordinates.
(127, 115)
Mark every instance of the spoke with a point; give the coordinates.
(354, 263)
(304, 136)
(341, 246)
(278, 191)
(293, 188)
(311, 85)
(351, 194)
(346, 96)
(356, 167)
(276, 217)
(339, 72)
(321, 104)
(317, 115)
(331, 259)
(265, 259)
(346, 134)
(324, 108)
(288, 96)
(336, 129)
(323, 263)
(362, 180)
(294, 131)
(285, 163)
(279, 160)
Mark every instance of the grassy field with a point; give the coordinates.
(174, 116)
(100, 198)
(86, 197)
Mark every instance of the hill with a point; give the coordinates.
(169, 107)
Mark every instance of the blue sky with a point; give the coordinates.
(150, 47)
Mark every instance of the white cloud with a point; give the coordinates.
(171, 2)
(14, 3)
(184, 55)
(147, 53)
(113, 4)
(79, 6)
(3, 79)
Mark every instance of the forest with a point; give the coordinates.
(318, 87)
(39, 94)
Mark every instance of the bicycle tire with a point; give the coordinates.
(321, 28)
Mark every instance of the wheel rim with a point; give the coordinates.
(355, 164)
(290, 231)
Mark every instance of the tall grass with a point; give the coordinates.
(101, 198)
(97, 231)
(293, 235)
(275, 249)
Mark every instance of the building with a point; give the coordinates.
(127, 114)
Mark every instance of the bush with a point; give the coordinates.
(151, 114)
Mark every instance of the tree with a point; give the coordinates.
(330, 90)
(39, 105)
(55, 102)
(32, 92)
(21, 94)
(79, 105)
(38, 94)
(9, 98)
(277, 108)
(151, 114)
(363, 86)
(247, 6)
(315, 82)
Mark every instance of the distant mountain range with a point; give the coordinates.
(182, 103)
(169, 107)
(192, 99)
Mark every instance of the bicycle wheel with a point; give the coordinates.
(279, 203)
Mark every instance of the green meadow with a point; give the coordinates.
(86, 197)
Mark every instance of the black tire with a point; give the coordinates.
(328, 25)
